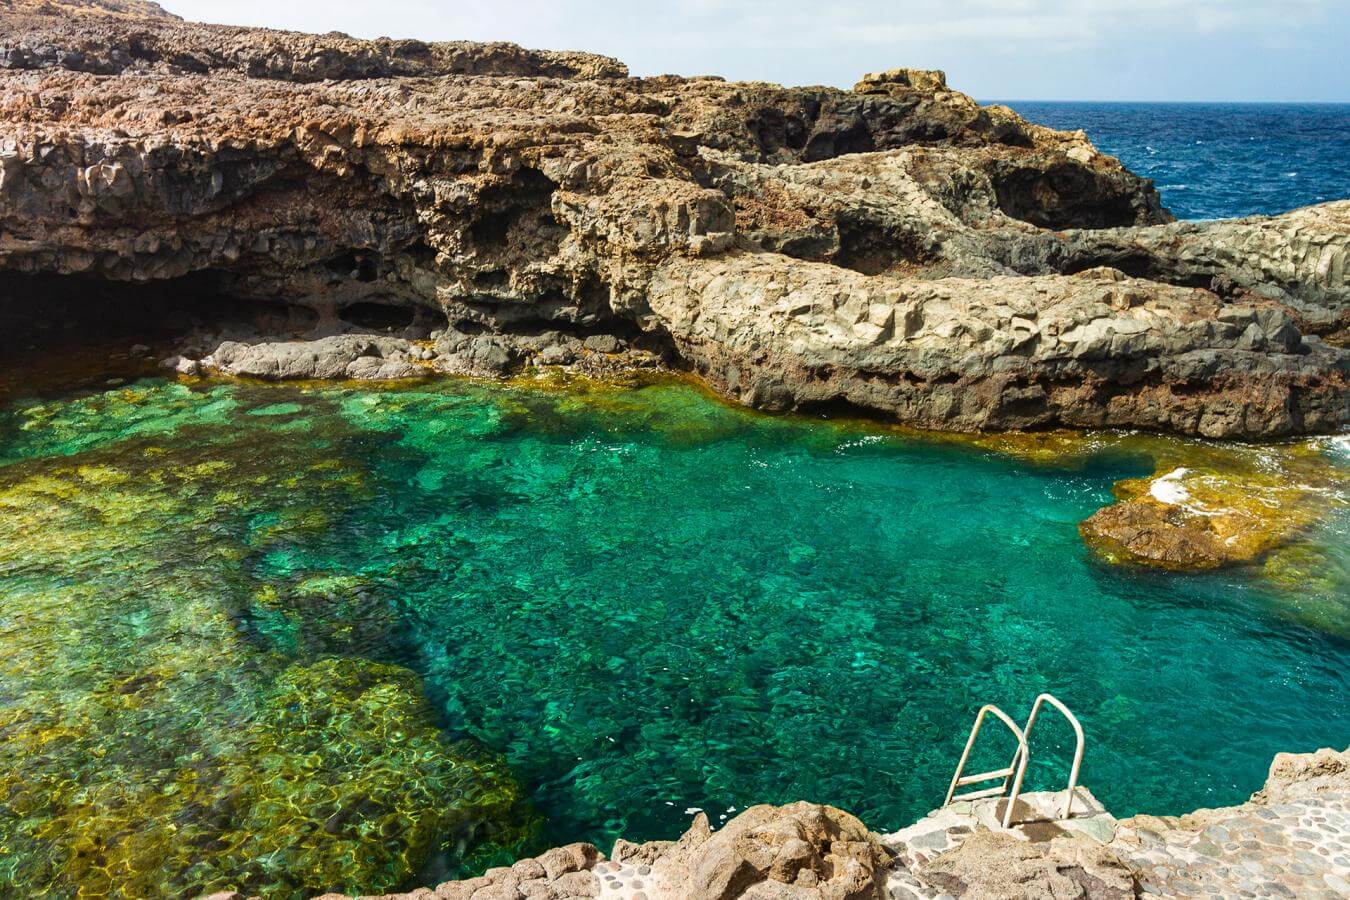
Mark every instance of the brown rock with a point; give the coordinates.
(899, 249)
(572, 858)
(641, 854)
(989, 866)
(1295, 776)
(576, 884)
(802, 850)
(1155, 533)
(461, 890)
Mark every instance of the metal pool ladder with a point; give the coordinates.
(1017, 769)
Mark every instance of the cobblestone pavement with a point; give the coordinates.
(1298, 849)
(623, 881)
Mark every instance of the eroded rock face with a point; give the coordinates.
(81, 39)
(897, 248)
(1296, 776)
(801, 850)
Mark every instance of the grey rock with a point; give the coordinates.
(603, 343)
(339, 356)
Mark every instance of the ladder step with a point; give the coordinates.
(976, 795)
(985, 776)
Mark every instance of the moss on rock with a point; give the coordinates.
(150, 743)
(1213, 505)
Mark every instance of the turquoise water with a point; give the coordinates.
(640, 600)
(1219, 160)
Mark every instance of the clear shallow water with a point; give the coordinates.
(631, 602)
(1219, 160)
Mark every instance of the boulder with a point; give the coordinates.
(802, 850)
(1297, 776)
(363, 357)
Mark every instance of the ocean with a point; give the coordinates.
(1219, 160)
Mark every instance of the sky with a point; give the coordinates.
(1247, 50)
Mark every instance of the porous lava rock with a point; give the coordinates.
(896, 248)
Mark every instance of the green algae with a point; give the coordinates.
(339, 780)
(151, 742)
(67, 427)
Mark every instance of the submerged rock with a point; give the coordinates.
(1209, 506)
(158, 737)
(895, 248)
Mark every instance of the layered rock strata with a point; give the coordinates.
(894, 248)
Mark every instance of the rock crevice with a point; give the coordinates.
(897, 247)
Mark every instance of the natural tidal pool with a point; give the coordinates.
(296, 638)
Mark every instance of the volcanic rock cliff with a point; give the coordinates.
(895, 247)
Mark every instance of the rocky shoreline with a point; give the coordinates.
(895, 249)
(285, 206)
(1291, 839)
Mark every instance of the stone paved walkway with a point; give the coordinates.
(1298, 849)
(623, 881)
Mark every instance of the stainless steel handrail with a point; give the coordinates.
(1016, 769)
(1078, 751)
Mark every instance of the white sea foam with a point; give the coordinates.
(1169, 489)
(1336, 445)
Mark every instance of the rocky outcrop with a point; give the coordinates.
(61, 36)
(1299, 776)
(896, 248)
(800, 850)
(1208, 506)
(130, 9)
(341, 356)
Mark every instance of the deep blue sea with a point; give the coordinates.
(1218, 160)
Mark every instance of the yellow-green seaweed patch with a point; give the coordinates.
(150, 745)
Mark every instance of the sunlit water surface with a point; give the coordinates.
(1219, 160)
(635, 602)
